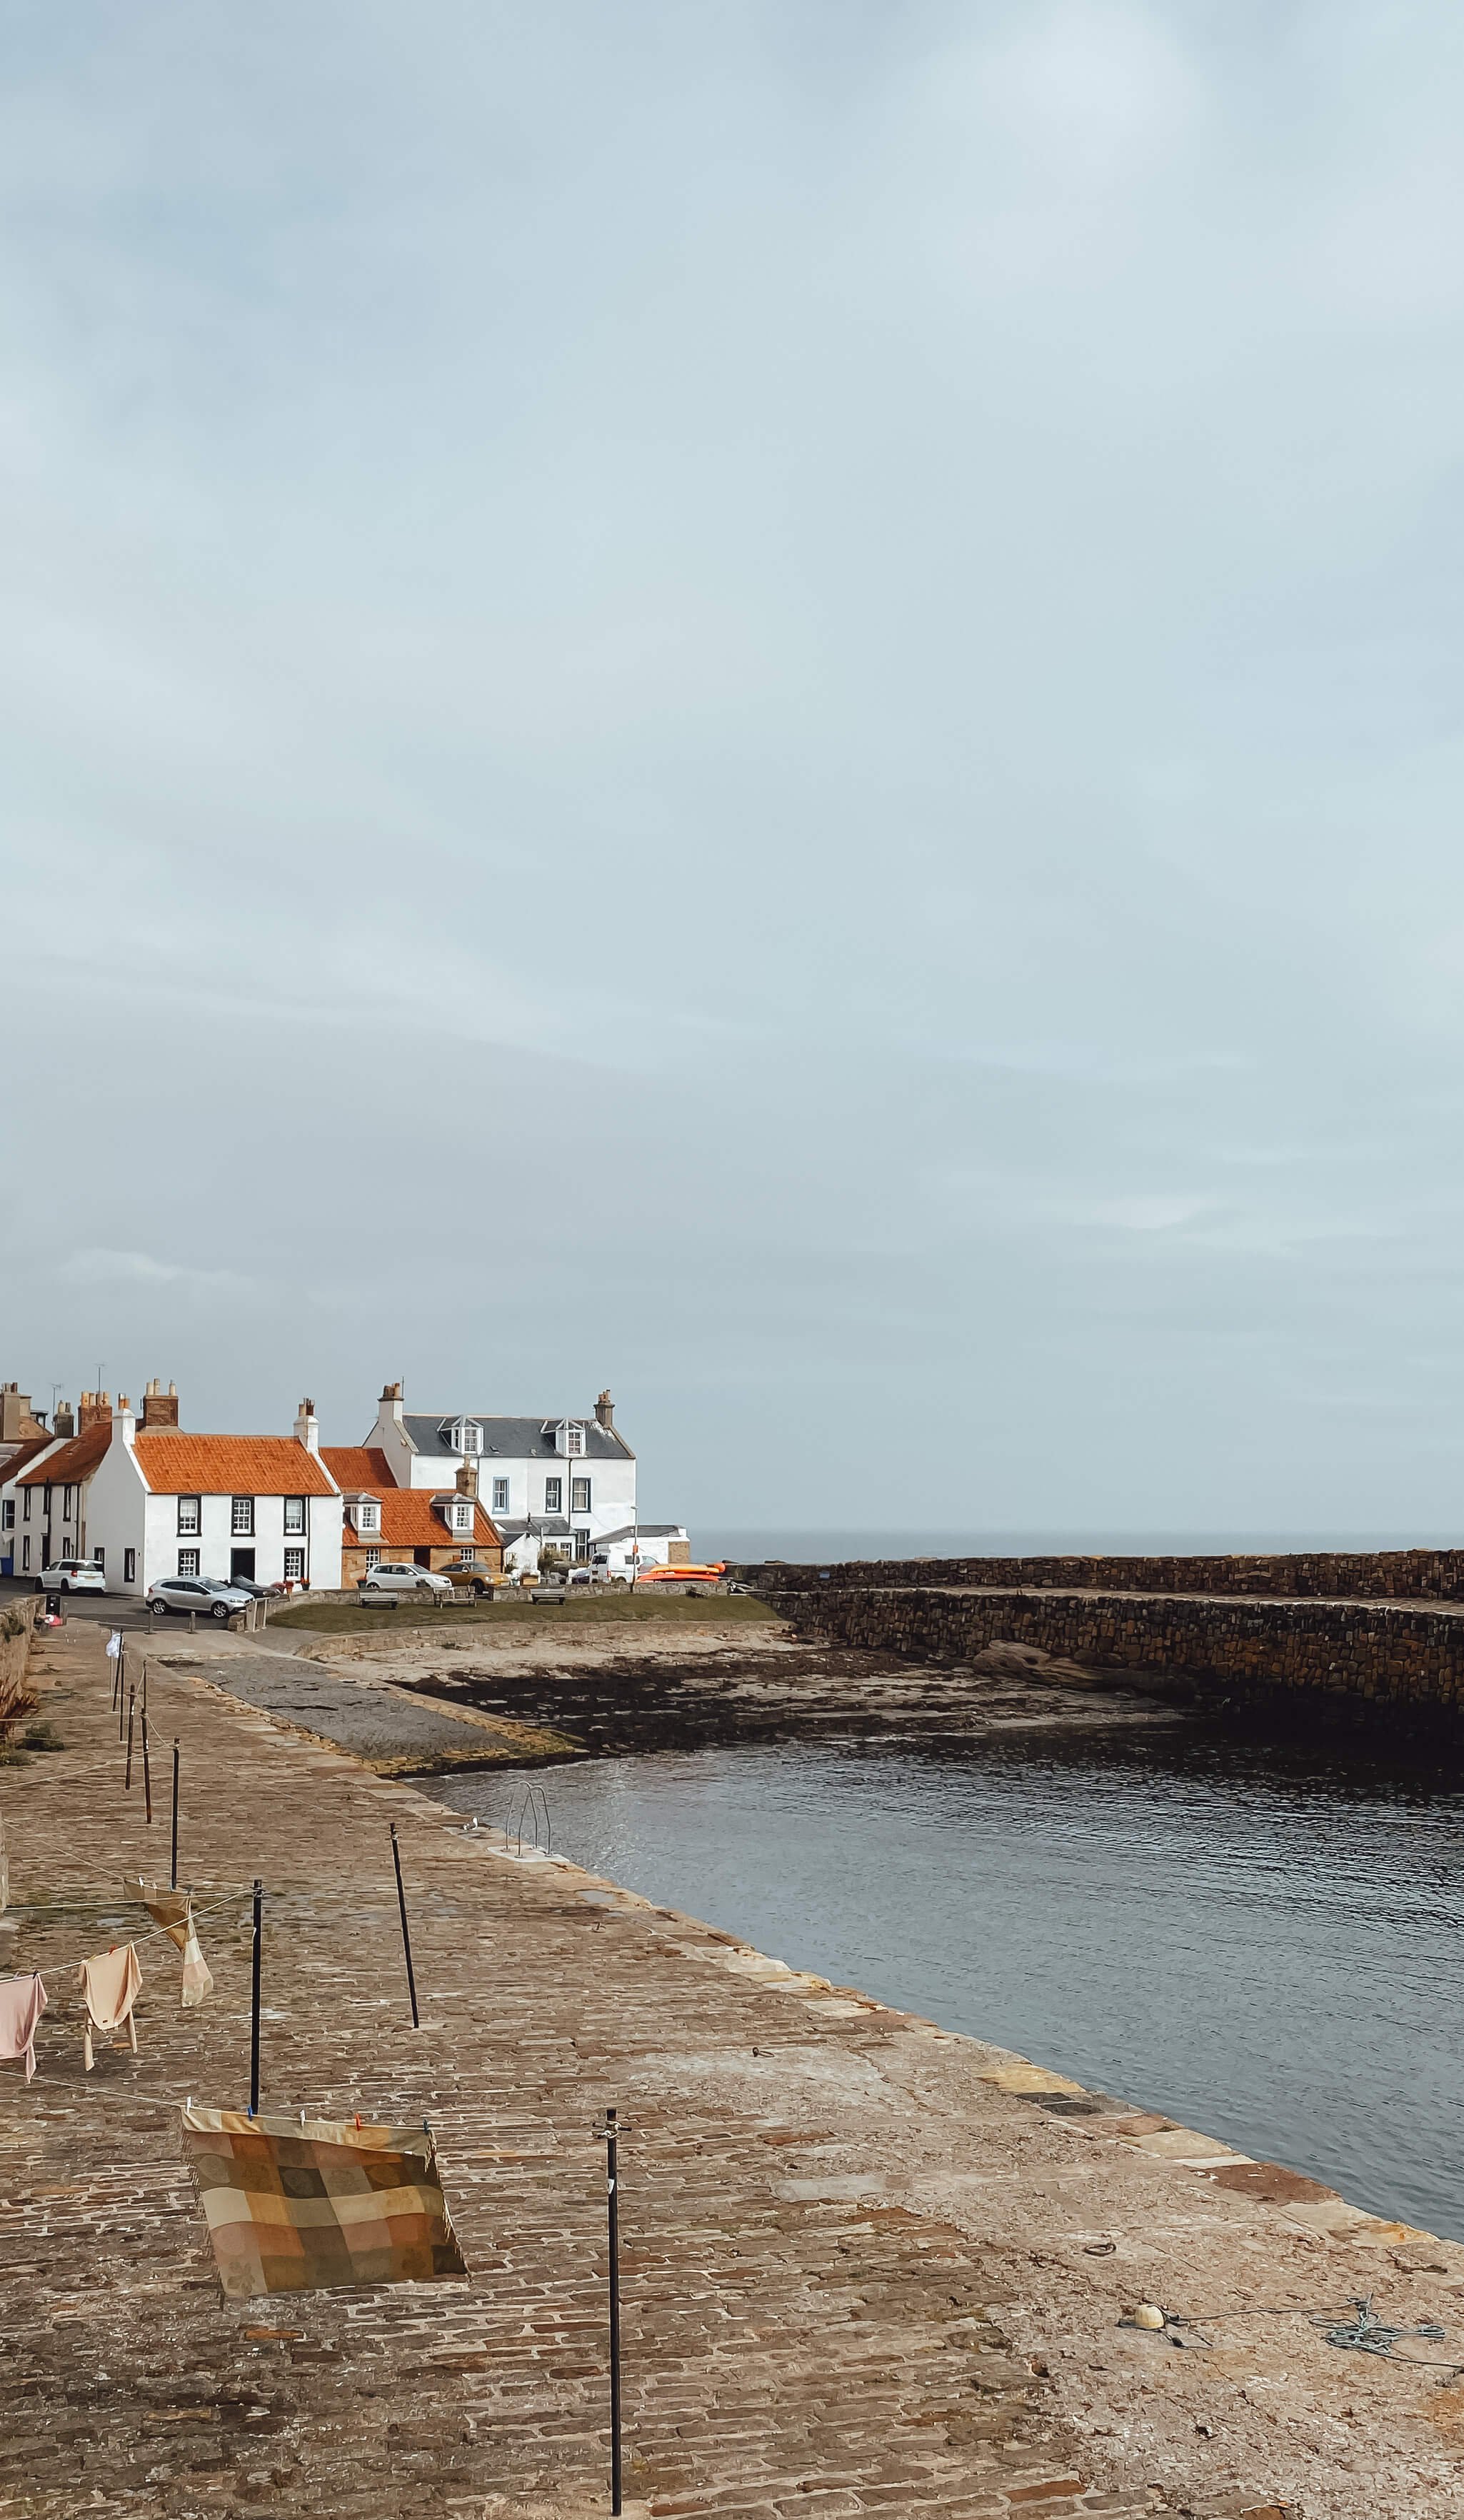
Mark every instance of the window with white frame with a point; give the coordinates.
(574, 1439)
(8, 1512)
(190, 1513)
(461, 1516)
(500, 1496)
(294, 1514)
(465, 1437)
(368, 1514)
(373, 1561)
(26, 1549)
(579, 1496)
(242, 1517)
(294, 1565)
(554, 1496)
(187, 1562)
(467, 1556)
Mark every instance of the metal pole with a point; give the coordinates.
(255, 2021)
(147, 1770)
(612, 2207)
(131, 1701)
(173, 1875)
(121, 1710)
(117, 1667)
(144, 1684)
(406, 1939)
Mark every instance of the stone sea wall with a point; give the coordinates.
(1399, 1665)
(1387, 1575)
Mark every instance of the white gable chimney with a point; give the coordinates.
(307, 1428)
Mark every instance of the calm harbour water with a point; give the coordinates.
(1267, 1948)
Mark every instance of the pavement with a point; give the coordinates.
(867, 2267)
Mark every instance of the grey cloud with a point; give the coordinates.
(760, 704)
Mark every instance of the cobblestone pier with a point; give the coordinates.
(854, 2270)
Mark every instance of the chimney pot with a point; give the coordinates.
(604, 1414)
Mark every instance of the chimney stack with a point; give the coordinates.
(18, 1419)
(66, 1421)
(467, 1477)
(604, 1414)
(160, 1408)
(392, 1400)
(95, 1411)
(123, 1418)
(307, 1428)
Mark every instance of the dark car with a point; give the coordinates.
(257, 1591)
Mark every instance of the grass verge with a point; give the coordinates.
(586, 1609)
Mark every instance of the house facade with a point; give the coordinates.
(446, 1530)
(567, 1480)
(263, 1508)
(45, 1490)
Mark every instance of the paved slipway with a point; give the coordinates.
(869, 2266)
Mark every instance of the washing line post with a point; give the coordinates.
(406, 1939)
(118, 1661)
(609, 2134)
(131, 1701)
(254, 2002)
(174, 1872)
(147, 1770)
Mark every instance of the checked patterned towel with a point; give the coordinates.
(294, 2207)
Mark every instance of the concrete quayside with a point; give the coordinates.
(870, 2266)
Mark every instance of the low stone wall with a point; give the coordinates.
(1390, 1575)
(16, 1631)
(1403, 1664)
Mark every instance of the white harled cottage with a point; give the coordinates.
(563, 1482)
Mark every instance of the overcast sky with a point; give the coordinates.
(759, 702)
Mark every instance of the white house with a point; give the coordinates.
(639, 1545)
(563, 1481)
(261, 1506)
(29, 1515)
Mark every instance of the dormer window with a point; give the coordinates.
(368, 1514)
(568, 1434)
(461, 1516)
(464, 1435)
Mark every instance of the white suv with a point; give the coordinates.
(406, 1579)
(72, 1575)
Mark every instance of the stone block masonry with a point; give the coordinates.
(856, 2276)
(1380, 1575)
(1399, 1663)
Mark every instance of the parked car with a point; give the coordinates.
(406, 1579)
(203, 1594)
(472, 1579)
(581, 1576)
(72, 1575)
(257, 1591)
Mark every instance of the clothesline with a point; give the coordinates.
(150, 1937)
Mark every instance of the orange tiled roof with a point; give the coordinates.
(357, 1466)
(23, 1452)
(75, 1461)
(409, 1522)
(230, 1465)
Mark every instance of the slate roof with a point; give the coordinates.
(24, 1453)
(545, 1526)
(514, 1438)
(75, 1461)
(646, 1530)
(225, 1465)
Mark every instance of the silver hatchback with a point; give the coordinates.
(209, 1599)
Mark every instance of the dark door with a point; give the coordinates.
(422, 1557)
(241, 1562)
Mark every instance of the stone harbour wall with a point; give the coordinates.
(1400, 1664)
(1395, 1574)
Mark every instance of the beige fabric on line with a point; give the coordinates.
(173, 1909)
(111, 1982)
(22, 2000)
